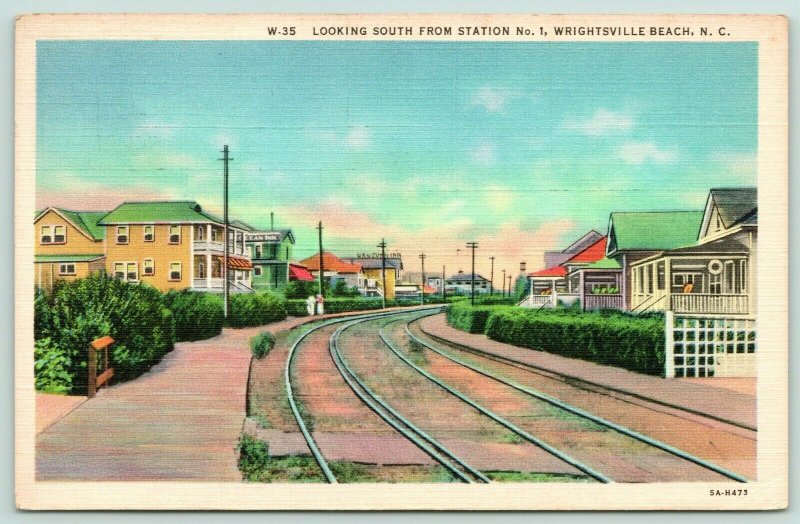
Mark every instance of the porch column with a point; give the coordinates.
(208, 268)
(581, 290)
(624, 287)
(554, 295)
(668, 282)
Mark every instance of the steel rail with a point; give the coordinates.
(312, 444)
(404, 426)
(584, 414)
(494, 416)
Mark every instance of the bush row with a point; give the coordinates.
(472, 319)
(256, 309)
(198, 316)
(612, 339)
(76, 313)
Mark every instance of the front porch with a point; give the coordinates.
(711, 284)
(600, 285)
(209, 270)
(548, 292)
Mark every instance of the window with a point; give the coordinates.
(730, 276)
(216, 234)
(650, 279)
(174, 271)
(122, 234)
(149, 268)
(126, 271)
(174, 234)
(149, 233)
(661, 271)
(258, 251)
(66, 269)
(59, 234)
(46, 237)
(200, 232)
(257, 271)
(715, 284)
(719, 221)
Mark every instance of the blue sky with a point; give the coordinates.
(522, 146)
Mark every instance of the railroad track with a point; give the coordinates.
(573, 410)
(438, 452)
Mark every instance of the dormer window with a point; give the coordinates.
(47, 235)
(174, 234)
(59, 234)
(149, 233)
(123, 234)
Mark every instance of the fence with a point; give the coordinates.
(709, 346)
(96, 381)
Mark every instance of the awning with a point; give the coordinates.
(300, 273)
(239, 263)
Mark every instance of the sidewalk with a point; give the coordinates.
(50, 408)
(721, 401)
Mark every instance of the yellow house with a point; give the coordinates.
(371, 266)
(168, 245)
(67, 245)
(174, 245)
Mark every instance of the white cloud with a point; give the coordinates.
(493, 99)
(484, 154)
(359, 137)
(640, 152)
(603, 122)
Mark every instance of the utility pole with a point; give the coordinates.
(509, 285)
(472, 245)
(382, 245)
(226, 282)
(422, 258)
(504, 282)
(444, 286)
(321, 263)
(491, 278)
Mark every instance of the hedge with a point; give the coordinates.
(471, 319)
(262, 344)
(198, 316)
(77, 312)
(297, 307)
(256, 309)
(610, 338)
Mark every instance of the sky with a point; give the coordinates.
(522, 147)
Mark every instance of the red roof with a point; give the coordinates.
(298, 272)
(330, 262)
(555, 271)
(430, 290)
(591, 254)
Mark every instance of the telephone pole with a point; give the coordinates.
(444, 286)
(422, 258)
(226, 281)
(509, 285)
(321, 263)
(491, 278)
(504, 282)
(472, 245)
(382, 245)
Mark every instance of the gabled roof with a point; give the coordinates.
(555, 271)
(374, 263)
(652, 231)
(726, 246)
(591, 254)
(330, 262)
(467, 277)
(582, 243)
(736, 206)
(241, 225)
(604, 263)
(171, 212)
(85, 221)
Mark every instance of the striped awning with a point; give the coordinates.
(239, 263)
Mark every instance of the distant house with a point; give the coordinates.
(372, 269)
(637, 236)
(270, 252)
(461, 283)
(715, 274)
(334, 269)
(68, 245)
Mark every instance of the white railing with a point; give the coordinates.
(537, 301)
(202, 284)
(603, 302)
(709, 346)
(709, 304)
(207, 245)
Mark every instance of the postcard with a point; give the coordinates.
(380, 262)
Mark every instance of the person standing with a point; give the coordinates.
(320, 305)
(310, 303)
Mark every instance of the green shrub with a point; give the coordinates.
(255, 309)
(471, 319)
(253, 457)
(78, 312)
(607, 337)
(51, 368)
(495, 300)
(198, 316)
(261, 344)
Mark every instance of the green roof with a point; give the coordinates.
(66, 258)
(604, 263)
(86, 221)
(653, 231)
(176, 212)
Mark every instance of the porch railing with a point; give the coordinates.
(207, 245)
(202, 284)
(603, 302)
(710, 304)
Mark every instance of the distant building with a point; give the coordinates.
(371, 268)
(334, 269)
(461, 283)
(270, 252)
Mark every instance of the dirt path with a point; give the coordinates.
(179, 421)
